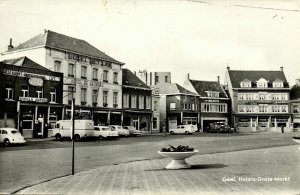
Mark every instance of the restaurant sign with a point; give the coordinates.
(36, 81)
(33, 99)
(30, 75)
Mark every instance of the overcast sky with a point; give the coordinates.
(196, 37)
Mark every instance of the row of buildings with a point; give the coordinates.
(40, 77)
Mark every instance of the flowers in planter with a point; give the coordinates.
(179, 148)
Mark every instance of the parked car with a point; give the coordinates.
(105, 132)
(132, 130)
(121, 131)
(10, 136)
(183, 129)
(226, 129)
(83, 129)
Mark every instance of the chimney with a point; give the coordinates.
(218, 77)
(10, 46)
(187, 76)
(228, 68)
(281, 68)
(298, 82)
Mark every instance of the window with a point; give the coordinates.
(115, 99)
(185, 106)
(39, 92)
(52, 95)
(141, 102)
(83, 58)
(57, 66)
(284, 108)
(83, 72)
(246, 84)
(155, 123)
(263, 108)
(275, 108)
(148, 102)
(9, 92)
(172, 106)
(95, 74)
(126, 100)
(95, 97)
(105, 76)
(115, 77)
(105, 93)
(156, 79)
(133, 101)
(166, 79)
(295, 108)
(73, 56)
(249, 108)
(262, 96)
(155, 107)
(211, 107)
(212, 94)
(70, 94)
(83, 96)
(71, 70)
(25, 91)
(241, 108)
(262, 83)
(277, 84)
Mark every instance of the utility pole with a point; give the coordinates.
(73, 127)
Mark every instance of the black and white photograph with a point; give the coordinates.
(157, 97)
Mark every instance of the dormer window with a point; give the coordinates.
(213, 94)
(246, 83)
(277, 83)
(262, 83)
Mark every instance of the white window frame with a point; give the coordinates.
(105, 97)
(133, 101)
(83, 71)
(40, 93)
(9, 93)
(95, 74)
(115, 97)
(71, 68)
(83, 94)
(53, 96)
(172, 106)
(148, 102)
(57, 66)
(126, 100)
(25, 92)
(141, 102)
(95, 93)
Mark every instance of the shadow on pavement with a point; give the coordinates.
(200, 166)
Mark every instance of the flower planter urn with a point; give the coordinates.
(178, 159)
(297, 139)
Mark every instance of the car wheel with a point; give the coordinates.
(187, 133)
(58, 137)
(76, 137)
(100, 137)
(171, 132)
(6, 142)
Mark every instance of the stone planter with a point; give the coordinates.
(297, 139)
(178, 159)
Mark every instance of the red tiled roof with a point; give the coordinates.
(173, 88)
(60, 41)
(25, 62)
(203, 86)
(236, 76)
(130, 79)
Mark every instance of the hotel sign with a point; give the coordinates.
(36, 81)
(89, 83)
(30, 75)
(33, 99)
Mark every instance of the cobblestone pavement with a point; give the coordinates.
(258, 171)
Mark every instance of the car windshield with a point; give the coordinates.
(14, 132)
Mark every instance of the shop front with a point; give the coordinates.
(35, 120)
(208, 122)
(141, 120)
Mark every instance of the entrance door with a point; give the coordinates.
(136, 123)
(40, 125)
(172, 124)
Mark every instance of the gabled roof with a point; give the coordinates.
(63, 42)
(25, 62)
(173, 88)
(236, 76)
(203, 86)
(295, 92)
(246, 80)
(131, 80)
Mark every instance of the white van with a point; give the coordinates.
(83, 128)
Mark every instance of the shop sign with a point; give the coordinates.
(211, 100)
(88, 83)
(34, 81)
(33, 99)
(29, 75)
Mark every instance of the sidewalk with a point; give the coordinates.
(241, 172)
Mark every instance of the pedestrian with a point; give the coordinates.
(282, 129)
